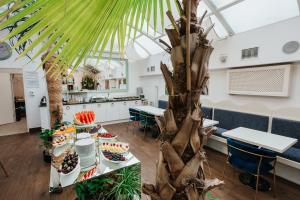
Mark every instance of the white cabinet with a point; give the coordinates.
(123, 111)
(105, 112)
(68, 112)
(112, 112)
(100, 110)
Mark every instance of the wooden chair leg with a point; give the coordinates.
(3, 169)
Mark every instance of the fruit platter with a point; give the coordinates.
(115, 157)
(59, 141)
(70, 169)
(84, 118)
(106, 136)
(89, 174)
(114, 147)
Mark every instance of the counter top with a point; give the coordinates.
(107, 101)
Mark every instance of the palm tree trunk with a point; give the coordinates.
(180, 173)
(54, 86)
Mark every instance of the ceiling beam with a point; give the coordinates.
(226, 6)
(230, 5)
(219, 16)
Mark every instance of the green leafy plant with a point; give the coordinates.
(127, 184)
(122, 185)
(93, 189)
(78, 29)
(88, 83)
(17, 37)
(46, 137)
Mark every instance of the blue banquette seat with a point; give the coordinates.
(207, 111)
(288, 128)
(232, 119)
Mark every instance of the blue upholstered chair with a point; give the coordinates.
(162, 104)
(147, 121)
(134, 117)
(251, 159)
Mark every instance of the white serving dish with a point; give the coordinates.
(128, 156)
(60, 144)
(117, 143)
(107, 139)
(70, 178)
(102, 130)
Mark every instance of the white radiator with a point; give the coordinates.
(260, 81)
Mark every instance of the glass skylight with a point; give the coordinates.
(221, 3)
(219, 28)
(140, 51)
(149, 45)
(202, 8)
(149, 31)
(251, 14)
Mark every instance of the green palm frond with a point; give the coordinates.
(75, 29)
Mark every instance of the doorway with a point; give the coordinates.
(12, 104)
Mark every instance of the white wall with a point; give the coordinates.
(32, 102)
(269, 39)
(218, 91)
(153, 83)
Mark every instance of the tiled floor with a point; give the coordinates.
(14, 128)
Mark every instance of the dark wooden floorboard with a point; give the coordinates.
(29, 175)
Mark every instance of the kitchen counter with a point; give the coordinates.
(106, 112)
(106, 101)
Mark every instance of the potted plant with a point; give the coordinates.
(46, 136)
(124, 184)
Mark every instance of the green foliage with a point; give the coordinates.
(17, 37)
(210, 196)
(77, 29)
(127, 184)
(88, 83)
(46, 137)
(122, 185)
(96, 188)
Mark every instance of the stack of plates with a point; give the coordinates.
(81, 136)
(85, 148)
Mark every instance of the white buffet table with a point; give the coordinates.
(102, 165)
(160, 112)
(266, 140)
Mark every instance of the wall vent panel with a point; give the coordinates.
(260, 81)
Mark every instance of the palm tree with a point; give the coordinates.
(81, 28)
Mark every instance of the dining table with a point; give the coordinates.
(273, 142)
(261, 139)
(160, 112)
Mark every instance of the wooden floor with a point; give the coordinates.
(29, 175)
